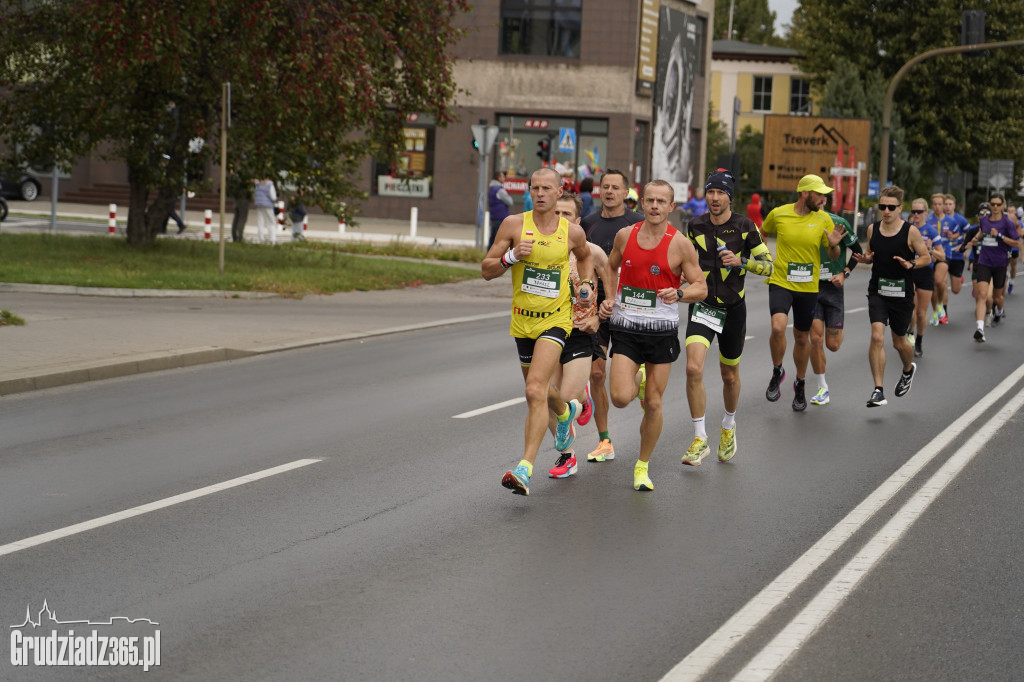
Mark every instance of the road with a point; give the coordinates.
(375, 543)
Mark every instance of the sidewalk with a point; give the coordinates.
(75, 335)
(320, 227)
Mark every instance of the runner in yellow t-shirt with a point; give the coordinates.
(800, 229)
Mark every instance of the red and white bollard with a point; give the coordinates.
(112, 223)
(208, 216)
(341, 225)
(305, 223)
(279, 210)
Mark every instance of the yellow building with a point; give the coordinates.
(762, 78)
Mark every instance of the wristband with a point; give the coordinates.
(509, 259)
(587, 281)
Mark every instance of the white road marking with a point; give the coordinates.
(750, 616)
(146, 508)
(800, 629)
(490, 408)
(857, 310)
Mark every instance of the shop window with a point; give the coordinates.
(762, 101)
(412, 173)
(545, 28)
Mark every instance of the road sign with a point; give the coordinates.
(485, 137)
(872, 188)
(567, 140)
(996, 173)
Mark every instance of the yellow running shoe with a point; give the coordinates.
(643, 382)
(727, 445)
(698, 450)
(604, 452)
(641, 481)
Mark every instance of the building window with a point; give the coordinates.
(412, 173)
(800, 97)
(762, 94)
(545, 28)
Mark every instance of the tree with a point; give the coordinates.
(317, 85)
(953, 109)
(752, 21)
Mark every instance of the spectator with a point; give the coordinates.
(264, 196)
(632, 198)
(297, 214)
(697, 205)
(498, 203)
(754, 210)
(587, 196)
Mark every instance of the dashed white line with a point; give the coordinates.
(43, 538)
(489, 408)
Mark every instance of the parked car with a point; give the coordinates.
(19, 186)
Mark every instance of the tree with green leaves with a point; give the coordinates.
(752, 21)
(316, 86)
(951, 110)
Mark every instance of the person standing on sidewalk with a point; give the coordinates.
(601, 228)
(264, 196)
(499, 203)
(728, 246)
(802, 229)
(651, 260)
(535, 245)
(895, 248)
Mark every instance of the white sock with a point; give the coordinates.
(698, 428)
(981, 324)
(821, 381)
(729, 420)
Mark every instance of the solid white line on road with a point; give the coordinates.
(857, 310)
(800, 629)
(750, 616)
(489, 408)
(146, 508)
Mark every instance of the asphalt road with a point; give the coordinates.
(842, 543)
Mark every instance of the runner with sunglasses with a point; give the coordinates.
(997, 236)
(895, 248)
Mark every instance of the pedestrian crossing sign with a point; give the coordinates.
(567, 140)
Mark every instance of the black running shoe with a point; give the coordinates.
(979, 336)
(877, 398)
(799, 400)
(907, 378)
(773, 393)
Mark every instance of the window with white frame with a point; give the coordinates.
(762, 100)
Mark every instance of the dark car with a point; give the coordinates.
(19, 186)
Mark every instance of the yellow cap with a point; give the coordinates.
(813, 183)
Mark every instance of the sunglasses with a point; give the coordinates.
(995, 203)
(917, 211)
(888, 207)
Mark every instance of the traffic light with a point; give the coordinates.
(544, 149)
(972, 30)
(476, 143)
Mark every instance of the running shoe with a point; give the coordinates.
(588, 408)
(773, 393)
(944, 319)
(1009, 289)
(918, 351)
(698, 450)
(565, 431)
(907, 378)
(979, 336)
(820, 398)
(877, 398)
(565, 466)
(988, 319)
(911, 338)
(517, 480)
(935, 319)
(727, 445)
(641, 481)
(799, 399)
(603, 453)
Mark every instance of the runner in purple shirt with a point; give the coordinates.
(998, 236)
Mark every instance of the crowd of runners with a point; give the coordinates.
(610, 286)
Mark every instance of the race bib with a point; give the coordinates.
(800, 272)
(541, 282)
(637, 300)
(892, 288)
(709, 316)
(989, 240)
(825, 273)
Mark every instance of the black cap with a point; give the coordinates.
(720, 179)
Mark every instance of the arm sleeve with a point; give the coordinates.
(968, 236)
(852, 263)
(760, 261)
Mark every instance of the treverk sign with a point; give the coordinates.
(795, 146)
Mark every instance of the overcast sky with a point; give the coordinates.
(783, 13)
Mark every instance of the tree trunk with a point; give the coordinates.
(146, 219)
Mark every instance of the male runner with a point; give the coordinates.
(728, 246)
(644, 317)
(894, 248)
(535, 245)
(924, 278)
(601, 228)
(950, 274)
(830, 309)
(802, 229)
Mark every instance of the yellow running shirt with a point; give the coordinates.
(541, 295)
(798, 244)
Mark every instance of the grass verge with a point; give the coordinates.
(288, 269)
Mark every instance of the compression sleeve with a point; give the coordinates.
(760, 261)
(852, 263)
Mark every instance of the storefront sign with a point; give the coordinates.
(647, 61)
(388, 186)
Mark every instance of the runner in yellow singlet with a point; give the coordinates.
(535, 245)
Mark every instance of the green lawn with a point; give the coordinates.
(290, 268)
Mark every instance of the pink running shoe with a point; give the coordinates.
(588, 408)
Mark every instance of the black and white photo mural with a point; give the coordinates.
(672, 151)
